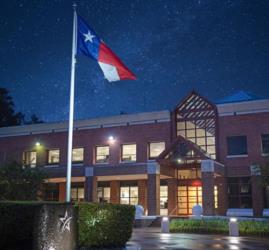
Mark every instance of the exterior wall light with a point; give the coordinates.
(179, 160)
(37, 144)
(111, 139)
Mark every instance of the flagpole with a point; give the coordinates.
(71, 110)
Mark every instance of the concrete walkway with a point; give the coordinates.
(152, 239)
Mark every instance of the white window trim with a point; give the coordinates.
(237, 156)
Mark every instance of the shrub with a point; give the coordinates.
(218, 226)
(102, 225)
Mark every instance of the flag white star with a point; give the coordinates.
(88, 37)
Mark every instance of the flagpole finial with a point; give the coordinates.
(74, 6)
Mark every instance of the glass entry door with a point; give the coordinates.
(188, 196)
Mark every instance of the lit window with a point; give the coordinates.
(53, 156)
(103, 194)
(77, 194)
(29, 158)
(155, 148)
(237, 145)
(77, 154)
(102, 154)
(128, 153)
(265, 143)
(129, 195)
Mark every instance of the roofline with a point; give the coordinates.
(103, 122)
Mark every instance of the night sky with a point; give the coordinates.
(215, 47)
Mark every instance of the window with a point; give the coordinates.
(51, 192)
(103, 194)
(77, 155)
(163, 200)
(53, 156)
(129, 195)
(29, 158)
(77, 192)
(155, 148)
(265, 143)
(239, 190)
(128, 153)
(102, 154)
(237, 145)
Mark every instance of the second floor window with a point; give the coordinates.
(237, 145)
(265, 143)
(77, 155)
(102, 154)
(155, 148)
(128, 153)
(29, 158)
(53, 156)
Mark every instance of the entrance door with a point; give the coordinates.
(188, 196)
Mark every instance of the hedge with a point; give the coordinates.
(16, 224)
(219, 226)
(103, 225)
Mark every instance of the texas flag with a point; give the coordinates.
(89, 44)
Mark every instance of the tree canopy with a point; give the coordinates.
(8, 115)
(20, 183)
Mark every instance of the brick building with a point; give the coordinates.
(199, 153)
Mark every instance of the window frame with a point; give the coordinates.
(24, 158)
(78, 162)
(95, 155)
(231, 155)
(149, 152)
(121, 155)
(130, 197)
(53, 163)
(262, 146)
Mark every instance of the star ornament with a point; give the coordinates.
(88, 37)
(65, 222)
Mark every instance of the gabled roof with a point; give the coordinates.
(240, 96)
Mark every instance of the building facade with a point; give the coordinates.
(199, 153)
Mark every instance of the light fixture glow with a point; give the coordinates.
(111, 139)
(179, 160)
(37, 144)
(165, 218)
(233, 219)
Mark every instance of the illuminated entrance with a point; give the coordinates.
(189, 196)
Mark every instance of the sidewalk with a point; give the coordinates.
(152, 239)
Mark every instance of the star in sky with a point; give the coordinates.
(89, 37)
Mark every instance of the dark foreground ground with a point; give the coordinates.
(151, 238)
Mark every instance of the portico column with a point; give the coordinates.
(207, 168)
(90, 186)
(172, 196)
(115, 192)
(153, 170)
(142, 193)
(257, 191)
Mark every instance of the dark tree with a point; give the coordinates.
(20, 183)
(34, 119)
(8, 116)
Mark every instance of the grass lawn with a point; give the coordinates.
(218, 226)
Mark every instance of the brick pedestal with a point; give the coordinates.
(115, 192)
(172, 196)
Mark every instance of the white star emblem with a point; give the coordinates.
(65, 222)
(88, 37)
